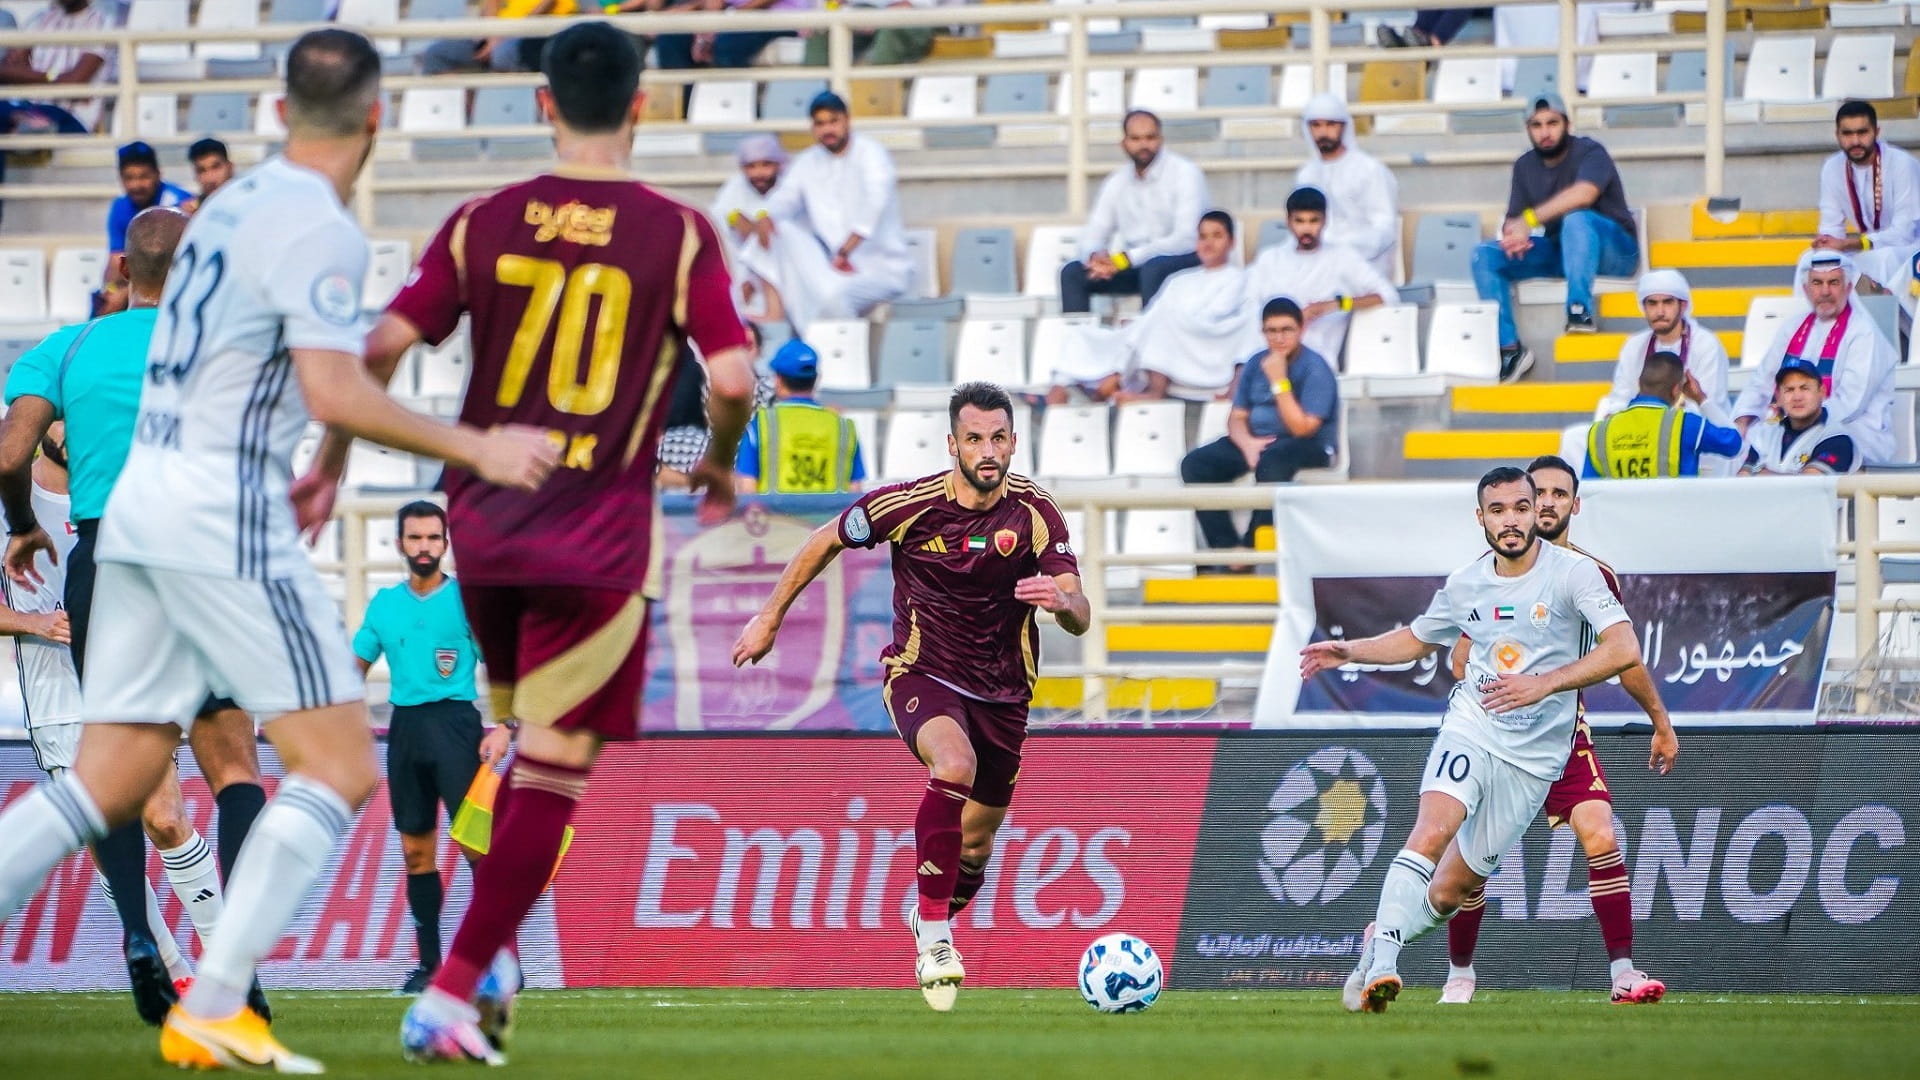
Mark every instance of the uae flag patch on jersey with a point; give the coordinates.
(976, 543)
(1503, 614)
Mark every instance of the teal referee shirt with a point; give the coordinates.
(91, 373)
(428, 646)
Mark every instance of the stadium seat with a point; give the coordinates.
(1273, 233)
(217, 113)
(1050, 334)
(371, 15)
(1238, 86)
(1764, 316)
(923, 245)
(843, 347)
(1623, 75)
(1858, 66)
(940, 308)
(1028, 44)
(266, 117)
(982, 263)
(721, 102)
(1779, 69)
(145, 15)
(227, 15)
(1464, 340)
(787, 99)
(156, 116)
(298, 11)
(916, 444)
(386, 271)
(1166, 90)
(1149, 438)
(1074, 442)
(1176, 39)
(991, 350)
(1213, 422)
(1384, 341)
(914, 352)
(1855, 15)
(1049, 247)
(1341, 467)
(23, 285)
(77, 275)
(426, 110)
(1534, 74)
(1467, 82)
(252, 67)
(436, 10)
(371, 466)
(874, 97)
(442, 372)
(943, 97)
(1573, 445)
(1106, 89)
(1025, 92)
(1885, 311)
(1387, 81)
(1296, 84)
(1442, 254)
(1253, 20)
(504, 106)
(1010, 306)
(1118, 43)
(1159, 532)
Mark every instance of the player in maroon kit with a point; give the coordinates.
(583, 285)
(1580, 797)
(976, 551)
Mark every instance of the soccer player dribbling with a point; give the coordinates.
(583, 285)
(976, 552)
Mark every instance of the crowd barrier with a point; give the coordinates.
(1769, 860)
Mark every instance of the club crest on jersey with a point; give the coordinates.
(1507, 655)
(336, 300)
(1005, 541)
(1540, 616)
(858, 527)
(444, 661)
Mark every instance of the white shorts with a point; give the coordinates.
(162, 640)
(55, 745)
(1501, 798)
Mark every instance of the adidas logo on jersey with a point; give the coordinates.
(937, 545)
(1474, 615)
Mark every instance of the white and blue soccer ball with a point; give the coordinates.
(1120, 973)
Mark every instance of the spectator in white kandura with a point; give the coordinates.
(1667, 302)
(1867, 187)
(1800, 437)
(743, 200)
(1363, 199)
(1186, 344)
(1141, 231)
(1328, 279)
(836, 211)
(1854, 359)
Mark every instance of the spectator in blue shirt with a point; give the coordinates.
(1653, 436)
(140, 179)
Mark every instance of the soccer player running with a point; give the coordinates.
(976, 550)
(1530, 608)
(1580, 797)
(583, 285)
(257, 331)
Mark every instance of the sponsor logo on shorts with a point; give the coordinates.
(444, 661)
(336, 300)
(1330, 813)
(858, 527)
(1005, 541)
(1541, 615)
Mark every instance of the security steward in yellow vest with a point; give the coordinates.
(1653, 436)
(797, 446)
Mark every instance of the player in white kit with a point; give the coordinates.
(1544, 625)
(199, 546)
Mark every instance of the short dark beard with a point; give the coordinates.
(984, 487)
(414, 567)
(1493, 542)
(1553, 537)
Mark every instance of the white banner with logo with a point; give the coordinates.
(1729, 582)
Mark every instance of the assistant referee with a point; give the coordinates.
(434, 741)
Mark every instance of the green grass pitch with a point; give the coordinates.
(1044, 1035)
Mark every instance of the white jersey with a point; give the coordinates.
(1544, 619)
(48, 682)
(275, 264)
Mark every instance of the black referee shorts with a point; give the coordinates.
(433, 752)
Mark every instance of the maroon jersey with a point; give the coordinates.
(954, 615)
(583, 288)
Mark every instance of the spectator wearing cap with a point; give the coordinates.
(1800, 437)
(795, 445)
(1654, 436)
(1285, 417)
(1328, 278)
(733, 49)
(1141, 231)
(740, 203)
(1567, 217)
(1855, 360)
(143, 187)
(211, 165)
(834, 224)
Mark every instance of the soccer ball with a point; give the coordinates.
(1120, 973)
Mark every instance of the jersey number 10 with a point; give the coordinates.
(572, 294)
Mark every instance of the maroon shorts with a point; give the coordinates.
(1582, 781)
(995, 728)
(568, 658)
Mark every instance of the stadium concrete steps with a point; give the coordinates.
(1152, 695)
(1528, 405)
(1466, 454)
(1212, 589)
(1178, 642)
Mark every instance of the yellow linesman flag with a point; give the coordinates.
(473, 823)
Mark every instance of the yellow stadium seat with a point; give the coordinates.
(663, 103)
(1790, 222)
(962, 48)
(1391, 80)
(875, 97)
(1768, 19)
(1273, 37)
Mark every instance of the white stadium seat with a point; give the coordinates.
(431, 109)
(866, 431)
(1764, 315)
(1296, 84)
(156, 116)
(1049, 247)
(77, 275)
(23, 285)
(1050, 334)
(1106, 89)
(1463, 340)
(386, 271)
(1074, 442)
(371, 466)
(1384, 341)
(924, 246)
(943, 97)
(1779, 69)
(1149, 438)
(1467, 82)
(1213, 422)
(227, 15)
(991, 350)
(729, 102)
(371, 14)
(443, 371)
(843, 346)
(1160, 532)
(1166, 90)
(159, 15)
(916, 443)
(1623, 75)
(266, 117)
(1858, 66)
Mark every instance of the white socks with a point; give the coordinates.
(283, 856)
(195, 876)
(1455, 971)
(931, 932)
(169, 949)
(1621, 967)
(1405, 913)
(44, 826)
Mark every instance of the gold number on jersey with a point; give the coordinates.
(572, 294)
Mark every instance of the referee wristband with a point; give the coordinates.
(1532, 219)
(1120, 260)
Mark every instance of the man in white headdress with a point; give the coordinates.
(1667, 302)
(1363, 199)
(838, 209)
(1854, 359)
(1186, 343)
(741, 202)
(1328, 279)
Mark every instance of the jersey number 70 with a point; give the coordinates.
(572, 294)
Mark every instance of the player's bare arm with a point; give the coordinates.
(1059, 594)
(52, 626)
(313, 494)
(1393, 647)
(1666, 745)
(1618, 650)
(26, 423)
(756, 640)
(729, 407)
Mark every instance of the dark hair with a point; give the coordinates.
(592, 71)
(799, 384)
(1555, 461)
(333, 78)
(1663, 372)
(827, 101)
(205, 148)
(1504, 474)
(419, 508)
(1282, 306)
(1307, 199)
(1225, 219)
(984, 396)
(139, 153)
(1132, 113)
(1855, 107)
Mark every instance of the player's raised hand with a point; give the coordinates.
(714, 480)
(20, 552)
(1510, 692)
(1042, 592)
(1666, 747)
(1323, 656)
(756, 640)
(516, 456)
(313, 495)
